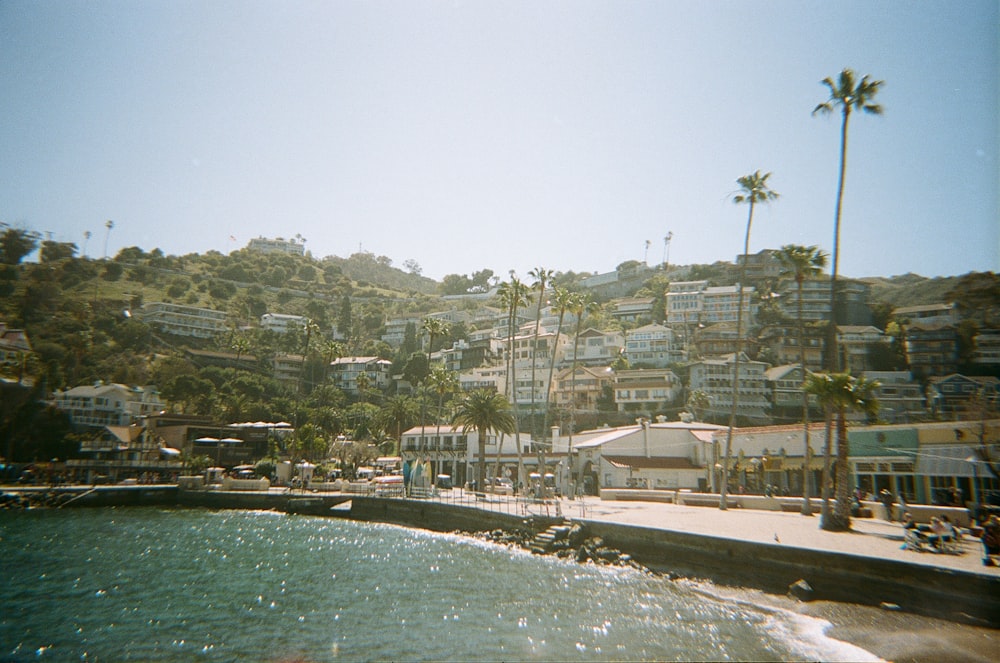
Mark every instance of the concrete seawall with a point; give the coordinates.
(928, 590)
(919, 588)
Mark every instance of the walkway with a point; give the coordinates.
(869, 537)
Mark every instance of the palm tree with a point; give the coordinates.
(564, 299)
(838, 393)
(753, 190)
(849, 95)
(400, 412)
(802, 262)
(109, 224)
(581, 303)
(434, 327)
(541, 276)
(484, 411)
(513, 296)
(86, 238)
(442, 382)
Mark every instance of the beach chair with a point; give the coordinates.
(915, 540)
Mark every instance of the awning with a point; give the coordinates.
(170, 451)
(953, 460)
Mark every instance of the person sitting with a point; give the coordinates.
(914, 537)
(991, 541)
(942, 535)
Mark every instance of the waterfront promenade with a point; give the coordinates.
(869, 537)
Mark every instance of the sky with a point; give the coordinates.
(502, 135)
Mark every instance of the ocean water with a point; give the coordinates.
(148, 584)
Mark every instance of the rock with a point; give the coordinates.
(801, 590)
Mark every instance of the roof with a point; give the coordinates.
(651, 463)
(779, 372)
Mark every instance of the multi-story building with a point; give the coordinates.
(928, 314)
(281, 323)
(277, 245)
(181, 320)
(646, 391)
(951, 394)
(592, 348)
(987, 348)
(761, 266)
(783, 342)
(395, 329)
(632, 309)
(14, 350)
(714, 377)
(652, 346)
(852, 300)
(931, 349)
(900, 397)
(99, 405)
(785, 386)
(287, 368)
(344, 372)
(581, 389)
(860, 345)
(695, 302)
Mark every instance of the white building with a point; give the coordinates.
(181, 320)
(592, 348)
(652, 346)
(98, 405)
(714, 376)
(281, 323)
(646, 390)
(695, 302)
(344, 372)
(278, 245)
(660, 455)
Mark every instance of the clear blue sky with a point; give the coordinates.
(501, 135)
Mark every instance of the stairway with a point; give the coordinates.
(545, 542)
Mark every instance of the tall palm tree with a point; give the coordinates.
(484, 411)
(400, 412)
(564, 299)
(753, 190)
(434, 327)
(542, 276)
(848, 94)
(581, 303)
(86, 238)
(838, 393)
(802, 262)
(513, 296)
(109, 224)
(442, 382)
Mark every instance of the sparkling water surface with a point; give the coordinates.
(147, 584)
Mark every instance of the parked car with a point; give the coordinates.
(500, 486)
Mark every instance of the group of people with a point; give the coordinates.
(941, 534)
(937, 536)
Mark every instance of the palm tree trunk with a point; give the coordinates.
(806, 507)
(736, 365)
(825, 488)
(832, 354)
(842, 506)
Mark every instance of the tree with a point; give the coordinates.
(801, 262)
(442, 382)
(541, 276)
(400, 412)
(753, 190)
(838, 393)
(849, 95)
(55, 251)
(698, 402)
(513, 296)
(109, 224)
(581, 304)
(16, 244)
(564, 300)
(484, 411)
